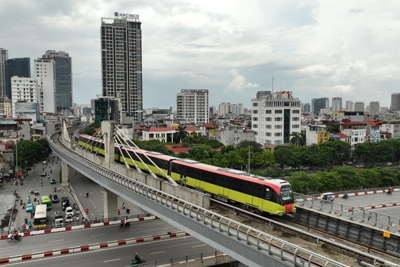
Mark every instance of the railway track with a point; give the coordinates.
(337, 248)
(327, 246)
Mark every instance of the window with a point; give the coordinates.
(277, 134)
(255, 118)
(255, 126)
(267, 134)
(295, 126)
(295, 118)
(296, 111)
(278, 111)
(268, 126)
(268, 119)
(278, 119)
(255, 104)
(268, 111)
(255, 111)
(278, 126)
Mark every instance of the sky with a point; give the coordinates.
(233, 48)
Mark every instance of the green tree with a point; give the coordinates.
(298, 139)
(256, 147)
(181, 133)
(199, 152)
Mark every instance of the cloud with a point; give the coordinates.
(239, 82)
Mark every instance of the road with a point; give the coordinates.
(45, 242)
(121, 256)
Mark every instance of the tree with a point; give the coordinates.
(181, 133)
(256, 147)
(298, 139)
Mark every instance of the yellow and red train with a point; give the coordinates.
(254, 193)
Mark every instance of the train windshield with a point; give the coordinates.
(286, 194)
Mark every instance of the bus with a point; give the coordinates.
(40, 219)
(46, 201)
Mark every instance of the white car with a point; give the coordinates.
(69, 218)
(69, 211)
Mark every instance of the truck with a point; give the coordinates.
(64, 202)
(58, 219)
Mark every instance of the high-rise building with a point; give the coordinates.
(20, 67)
(359, 106)
(121, 62)
(63, 79)
(306, 108)
(275, 117)
(23, 90)
(336, 104)
(350, 106)
(192, 106)
(3, 59)
(395, 102)
(5, 107)
(46, 77)
(374, 108)
(319, 103)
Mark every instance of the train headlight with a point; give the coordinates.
(281, 213)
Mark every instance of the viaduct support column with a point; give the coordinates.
(107, 127)
(64, 173)
(110, 205)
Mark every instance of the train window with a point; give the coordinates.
(268, 193)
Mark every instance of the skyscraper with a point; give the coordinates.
(63, 79)
(395, 102)
(374, 108)
(319, 103)
(121, 62)
(359, 106)
(20, 67)
(45, 75)
(3, 59)
(349, 105)
(192, 105)
(336, 104)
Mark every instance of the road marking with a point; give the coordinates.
(112, 260)
(59, 240)
(159, 252)
(198, 246)
(9, 247)
(98, 235)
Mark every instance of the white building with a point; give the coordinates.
(350, 106)
(192, 106)
(392, 128)
(356, 131)
(23, 90)
(359, 106)
(45, 75)
(275, 117)
(336, 104)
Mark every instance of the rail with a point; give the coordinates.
(262, 247)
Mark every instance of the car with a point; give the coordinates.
(69, 218)
(328, 197)
(44, 162)
(53, 181)
(69, 211)
(29, 207)
(54, 198)
(43, 174)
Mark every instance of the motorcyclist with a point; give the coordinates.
(123, 221)
(138, 259)
(16, 235)
(345, 196)
(389, 192)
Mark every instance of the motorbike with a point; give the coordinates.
(12, 238)
(135, 262)
(127, 224)
(389, 192)
(345, 196)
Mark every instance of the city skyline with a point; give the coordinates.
(311, 48)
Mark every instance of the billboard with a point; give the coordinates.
(26, 107)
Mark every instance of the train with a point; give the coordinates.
(257, 194)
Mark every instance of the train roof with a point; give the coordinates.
(93, 138)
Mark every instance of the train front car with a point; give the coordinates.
(286, 196)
